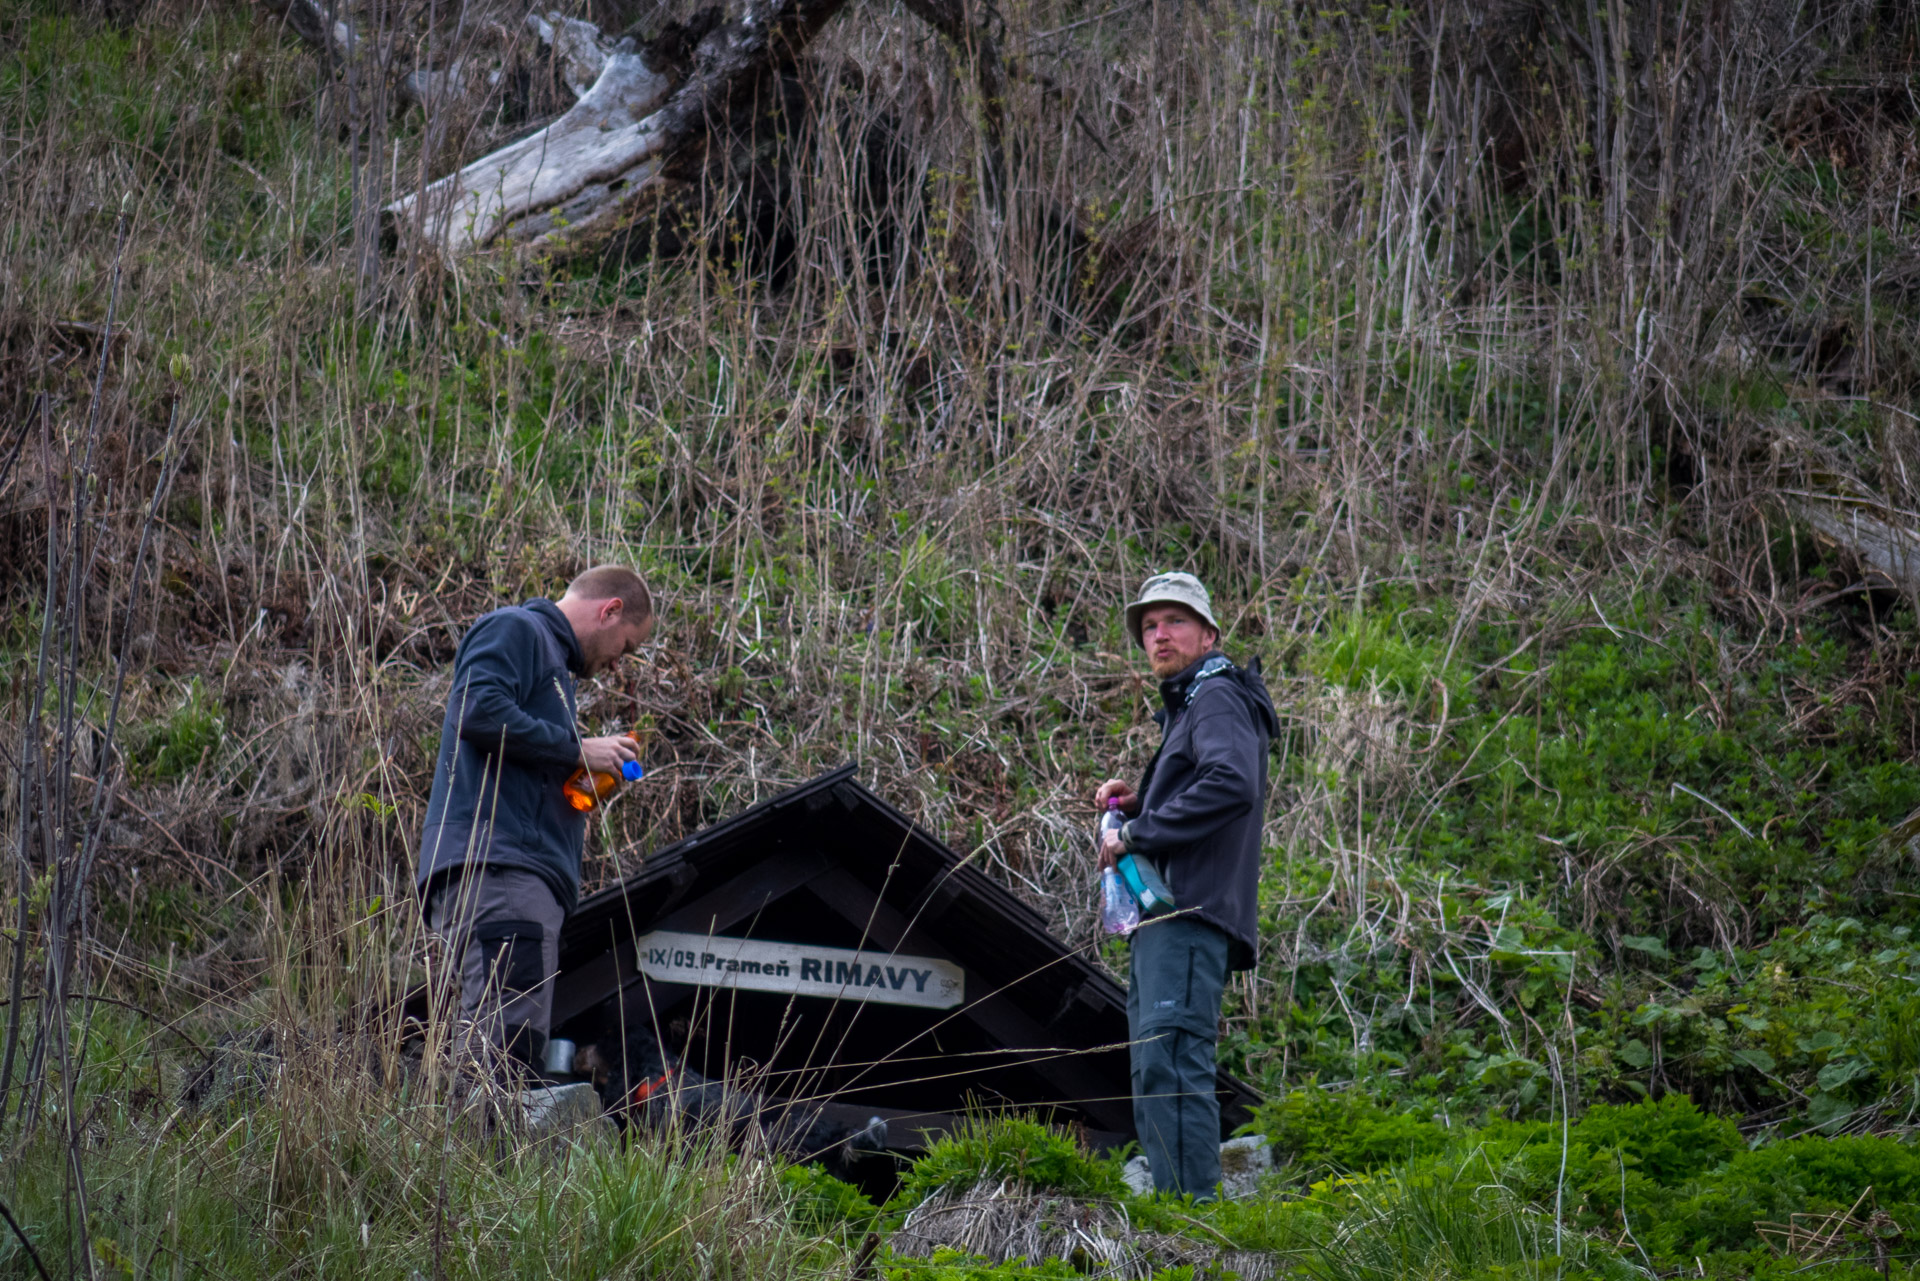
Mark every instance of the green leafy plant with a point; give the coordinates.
(952, 1265)
(1802, 1176)
(821, 1203)
(1669, 1140)
(1323, 1131)
(1037, 1155)
(182, 742)
(1455, 1218)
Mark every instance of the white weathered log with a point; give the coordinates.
(432, 90)
(308, 19)
(579, 46)
(1887, 548)
(598, 207)
(602, 137)
(584, 174)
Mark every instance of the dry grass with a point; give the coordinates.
(999, 1222)
(871, 498)
(1493, 302)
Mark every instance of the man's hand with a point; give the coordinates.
(606, 755)
(1110, 850)
(1115, 789)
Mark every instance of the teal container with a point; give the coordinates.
(1152, 893)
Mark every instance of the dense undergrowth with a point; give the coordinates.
(1531, 385)
(1624, 1191)
(1671, 864)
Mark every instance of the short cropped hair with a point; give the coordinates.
(607, 582)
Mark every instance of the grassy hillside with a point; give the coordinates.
(1530, 385)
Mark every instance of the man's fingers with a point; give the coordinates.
(607, 754)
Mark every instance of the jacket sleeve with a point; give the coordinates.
(1224, 786)
(498, 667)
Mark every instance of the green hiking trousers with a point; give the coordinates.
(1178, 967)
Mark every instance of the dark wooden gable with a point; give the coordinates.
(830, 864)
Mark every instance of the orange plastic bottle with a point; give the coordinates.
(587, 788)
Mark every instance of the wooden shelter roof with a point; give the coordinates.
(829, 864)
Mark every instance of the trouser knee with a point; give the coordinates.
(1164, 1062)
(502, 930)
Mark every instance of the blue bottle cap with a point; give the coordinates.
(631, 770)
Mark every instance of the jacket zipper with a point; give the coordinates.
(573, 721)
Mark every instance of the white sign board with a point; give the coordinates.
(801, 969)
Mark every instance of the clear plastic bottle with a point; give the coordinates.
(1119, 913)
(1119, 909)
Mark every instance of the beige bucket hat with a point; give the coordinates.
(1170, 589)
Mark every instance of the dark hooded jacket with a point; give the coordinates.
(508, 742)
(1203, 798)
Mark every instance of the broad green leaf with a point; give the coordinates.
(1829, 1113)
(1841, 1071)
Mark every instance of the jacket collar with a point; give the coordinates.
(1177, 690)
(549, 613)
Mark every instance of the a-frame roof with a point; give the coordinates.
(830, 864)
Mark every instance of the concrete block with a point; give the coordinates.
(1243, 1162)
(1138, 1175)
(564, 1112)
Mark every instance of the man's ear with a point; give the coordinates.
(610, 609)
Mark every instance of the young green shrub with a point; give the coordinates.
(995, 1148)
(1322, 1131)
(1668, 1139)
(820, 1203)
(1617, 1168)
(182, 742)
(1770, 1184)
(951, 1265)
(1896, 1036)
(1454, 1219)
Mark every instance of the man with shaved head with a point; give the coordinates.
(500, 858)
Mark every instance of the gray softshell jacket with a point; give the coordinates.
(508, 742)
(1204, 797)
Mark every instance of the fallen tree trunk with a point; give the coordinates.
(1884, 544)
(579, 52)
(602, 134)
(583, 176)
(578, 45)
(326, 29)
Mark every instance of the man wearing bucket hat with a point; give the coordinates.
(1195, 820)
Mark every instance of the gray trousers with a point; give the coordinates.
(1178, 968)
(502, 926)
